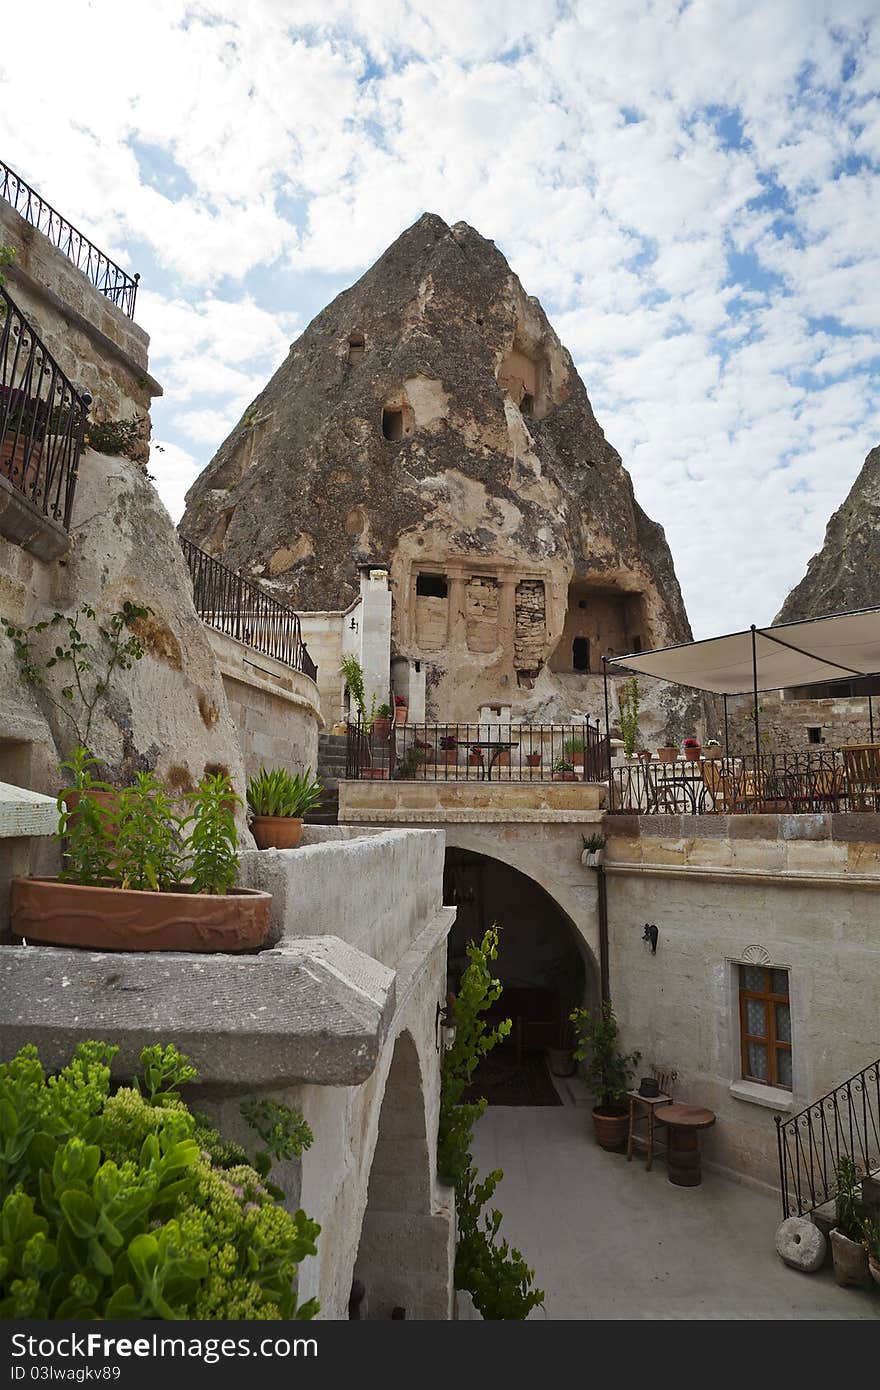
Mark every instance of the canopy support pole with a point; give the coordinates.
(608, 734)
(755, 695)
(726, 735)
(871, 716)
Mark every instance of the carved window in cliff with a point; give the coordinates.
(600, 620)
(530, 632)
(580, 654)
(765, 1025)
(481, 614)
(356, 347)
(432, 611)
(392, 425)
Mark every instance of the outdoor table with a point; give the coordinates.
(496, 746)
(680, 789)
(683, 1153)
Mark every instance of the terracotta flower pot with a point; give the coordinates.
(277, 832)
(692, 754)
(667, 754)
(611, 1126)
(533, 759)
(374, 774)
(108, 801)
(401, 714)
(576, 758)
(16, 465)
(713, 752)
(850, 1261)
(565, 777)
(125, 919)
(382, 729)
(449, 756)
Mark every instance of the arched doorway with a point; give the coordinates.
(543, 963)
(403, 1265)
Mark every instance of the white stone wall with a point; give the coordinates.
(799, 892)
(276, 710)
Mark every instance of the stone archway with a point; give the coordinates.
(402, 1264)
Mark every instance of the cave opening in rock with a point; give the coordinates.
(392, 425)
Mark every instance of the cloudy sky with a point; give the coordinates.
(689, 186)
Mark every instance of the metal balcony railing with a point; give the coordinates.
(234, 605)
(42, 417)
(108, 277)
(477, 752)
(845, 1123)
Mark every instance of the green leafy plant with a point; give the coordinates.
(212, 843)
(608, 1071)
(408, 766)
(86, 824)
(574, 744)
(117, 437)
(281, 793)
(384, 712)
(353, 674)
(593, 843)
(112, 1205)
(561, 765)
(495, 1274)
(849, 1207)
(871, 1238)
(86, 664)
(628, 701)
(147, 851)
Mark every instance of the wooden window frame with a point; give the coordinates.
(770, 999)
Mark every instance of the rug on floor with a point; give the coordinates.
(503, 1081)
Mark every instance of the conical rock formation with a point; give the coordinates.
(430, 420)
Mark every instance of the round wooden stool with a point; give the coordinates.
(683, 1154)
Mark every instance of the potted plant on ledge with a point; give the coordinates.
(608, 1072)
(593, 852)
(277, 801)
(668, 752)
(563, 771)
(692, 749)
(134, 880)
(848, 1250)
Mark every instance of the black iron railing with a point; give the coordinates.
(845, 1123)
(477, 752)
(824, 779)
(42, 417)
(243, 610)
(119, 287)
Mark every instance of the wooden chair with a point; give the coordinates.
(862, 765)
(720, 783)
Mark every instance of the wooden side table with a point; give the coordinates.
(683, 1153)
(643, 1141)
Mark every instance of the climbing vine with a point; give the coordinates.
(493, 1272)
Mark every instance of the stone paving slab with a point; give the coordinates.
(608, 1239)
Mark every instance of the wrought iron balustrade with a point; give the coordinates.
(845, 1123)
(815, 780)
(235, 605)
(477, 752)
(106, 276)
(42, 417)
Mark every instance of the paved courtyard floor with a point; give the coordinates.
(609, 1240)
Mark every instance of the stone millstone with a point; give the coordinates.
(801, 1244)
(846, 572)
(428, 417)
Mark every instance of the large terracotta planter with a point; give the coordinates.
(692, 754)
(565, 777)
(123, 919)
(277, 832)
(850, 1261)
(374, 774)
(382, 729)
(15, 464)
(667, 754)
(611, 1126)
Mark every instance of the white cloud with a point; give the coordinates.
(251, 148)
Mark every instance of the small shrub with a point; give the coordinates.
(117, 437)
(213, 841)
(281, 793)
(608, 1071)
(112, 1203)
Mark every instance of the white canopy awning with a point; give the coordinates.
(809, 652)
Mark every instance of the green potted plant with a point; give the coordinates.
(382, 723)
(871, 1242)
(277, 801)
(401, 710)
(573, 750)
(593, 852)
(668, 752)
(608, 1072)
(563, 771)
(143, 878)
(449, 750)
(848, 1250)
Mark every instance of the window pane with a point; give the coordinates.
(753, 977)
(779, 982)
(783, 1023)
(783, 1067)
(756, 1017)
(758, 1061)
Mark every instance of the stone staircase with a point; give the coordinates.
(331, 767)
